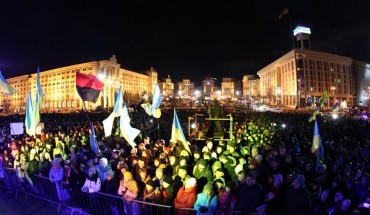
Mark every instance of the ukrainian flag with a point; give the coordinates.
(5, 86)
(108, 122)
(314, 114)
(40, 92)
(177, 135)
(335, 107)
(153, 109)
(29, 115)
(317, 146)
(93, 144)
(128, 132)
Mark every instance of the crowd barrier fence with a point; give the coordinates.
(97, 203)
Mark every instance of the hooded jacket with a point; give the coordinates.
(209, 202)
(185, 198)
(102, 171)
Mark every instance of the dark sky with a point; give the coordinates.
(183, 39)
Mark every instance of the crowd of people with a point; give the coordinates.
(268, 166)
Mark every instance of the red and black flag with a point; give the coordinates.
(88, 87)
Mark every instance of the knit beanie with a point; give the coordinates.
(208, 187)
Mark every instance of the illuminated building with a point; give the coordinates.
(301, 76)
(60, 88)
(185, 87)
(209, 86)
(167, 87)
(362, 80)
(250, 86)
(230, 88)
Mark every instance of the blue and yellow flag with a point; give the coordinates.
(5, 86)
(177, 135)
(29, 115)
(314, 114)
(40, 92)
(335, 107)
(108, 122)
(128, 132)
(93, 143)
(153, 109)
(317, 146)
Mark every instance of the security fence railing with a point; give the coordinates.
(80, 202)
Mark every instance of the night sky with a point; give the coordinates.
(183, 39)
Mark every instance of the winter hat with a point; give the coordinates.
(208, 187)
(128, 175)
(111, 173)
(191, 182)
(167, 179)
(122, 165)
(104, 161)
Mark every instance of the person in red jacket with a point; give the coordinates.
(186, 196)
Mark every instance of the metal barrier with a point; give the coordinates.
(137, 207)
(84, 203)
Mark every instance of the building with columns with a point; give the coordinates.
(301, 76)
(167, 87)
(230, 88)
(209, 86)
(59, 86)
(185, 88)
(251, 86)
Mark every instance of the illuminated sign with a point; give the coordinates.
(301, 29)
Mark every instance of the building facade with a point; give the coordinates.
(302, 76)
(59, 86)
(251, 86)
(209, 86)
(167, 87)
(185, 88)
(362, 80)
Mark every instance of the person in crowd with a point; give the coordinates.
(110, 185)
(206, 201)
(297, 197)
(44, 166)
(226, 199)
(250, 194)
(186, 196)
(129, 190)
(92, 183)
(103, 168)
(56, 175)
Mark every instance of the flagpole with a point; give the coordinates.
(87, 115)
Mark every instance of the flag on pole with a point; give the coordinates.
(108, 125)
(128, 132)
(335, 107)
(177, 135)
(93, 144)
(153, 109)
(36, 113)
(314, 114)
(38, 83)
(29, 115)
(108, 122)
(88, 87)
(118, 105)
(317, 145)
(5, 86)
(283, 13)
